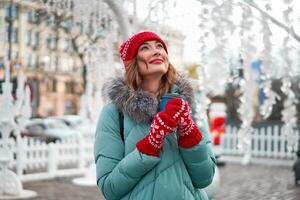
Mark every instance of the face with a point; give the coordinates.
(152, 59)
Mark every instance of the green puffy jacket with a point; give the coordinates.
(125, 173)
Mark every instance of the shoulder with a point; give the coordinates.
(109, 116)
(110, 108)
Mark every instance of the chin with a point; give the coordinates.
(158, 70)
(155, 73)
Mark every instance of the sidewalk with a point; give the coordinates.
(238, 182)
(257, 182)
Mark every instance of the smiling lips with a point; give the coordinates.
(156, 61)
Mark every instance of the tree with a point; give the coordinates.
(64, 22)
(289, 29)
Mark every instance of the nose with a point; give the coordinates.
(156, 52)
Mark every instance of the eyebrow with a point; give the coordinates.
(148, 42)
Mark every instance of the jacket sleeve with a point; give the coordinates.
(117, 175)
(200, 160)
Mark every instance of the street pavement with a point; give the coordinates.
(238, 182)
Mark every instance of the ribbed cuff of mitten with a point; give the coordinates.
(145, 147)
(190, 139)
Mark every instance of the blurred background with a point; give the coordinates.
(243, 58)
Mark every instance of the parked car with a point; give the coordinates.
(48, 130)
(73, 121)
(76, 122)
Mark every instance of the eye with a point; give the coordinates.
(143, 47)
(159, 45)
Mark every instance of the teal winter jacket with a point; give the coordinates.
(125, 173)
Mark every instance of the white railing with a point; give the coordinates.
(36, 160)
(267, 143)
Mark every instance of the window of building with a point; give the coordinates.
(53, 42)
(65, 44)
(28, 38)
(67, 25)
(70, 46)
(11, 12)
(27, 60)
(14, 55)
(69, 107)
(34, 61)
(13, 33)
(35, 39)
(50, 21)
(48, 41)
(64, 64)
(47, 20)
(32, 16)
(69, 87)
(45, 63)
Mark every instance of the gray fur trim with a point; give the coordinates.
(142, 106)
(185, 89)
(116, 91)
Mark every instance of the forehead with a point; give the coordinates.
(151, 42)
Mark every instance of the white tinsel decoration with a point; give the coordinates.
(221, 29)
(267, 65)
(245, 110)
(204, 20)
(289, 113)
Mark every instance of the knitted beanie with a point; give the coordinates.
(129, 48)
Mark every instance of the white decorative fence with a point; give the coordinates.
(268, 144)
(36, 160)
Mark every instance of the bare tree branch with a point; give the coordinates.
(121, 17)
(289, 30)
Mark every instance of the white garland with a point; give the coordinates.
(222, 25)
(267, 64)
(202, 86)
(289, 113)
(245, 110)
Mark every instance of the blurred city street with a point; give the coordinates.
(235, 63)
(237, 182)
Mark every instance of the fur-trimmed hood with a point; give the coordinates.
(142, 106)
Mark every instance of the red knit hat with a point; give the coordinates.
(129, 48)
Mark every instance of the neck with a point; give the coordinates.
(151, 84)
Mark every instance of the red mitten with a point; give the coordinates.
(162, 125)
(189, 133)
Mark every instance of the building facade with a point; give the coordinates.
(42, 45)
(44, 52)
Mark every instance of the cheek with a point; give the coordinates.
(142, 66)
(144, 55)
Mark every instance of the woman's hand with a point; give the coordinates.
(180, 111)
(162, 125)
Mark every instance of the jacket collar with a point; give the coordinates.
(142, 106)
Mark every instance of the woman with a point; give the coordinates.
(163, 155)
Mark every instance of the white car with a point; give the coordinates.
(73, 121)
(77, 122)
(51, 128)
